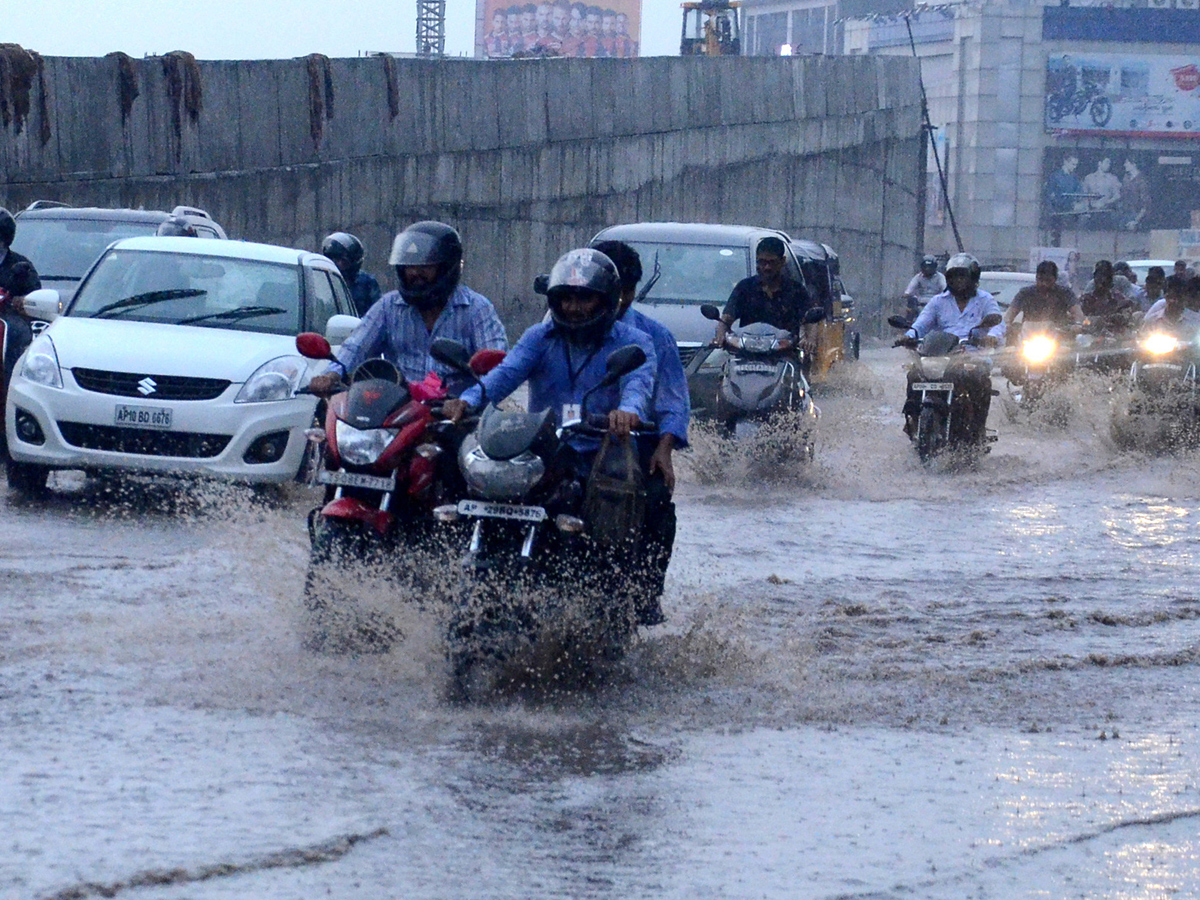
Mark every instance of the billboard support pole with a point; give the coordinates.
(929, 129)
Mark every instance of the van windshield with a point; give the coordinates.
(693, 273)
(65, 248)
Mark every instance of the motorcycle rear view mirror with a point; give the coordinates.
(452, 354)
(815, 315)
(991, 320)
(621, 362)
(898, 322)
(313, 346)
(485, 360)
(541, 284)
(710, 312)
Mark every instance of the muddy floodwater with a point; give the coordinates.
(875, 682)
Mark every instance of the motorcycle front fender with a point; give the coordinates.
(348, 508)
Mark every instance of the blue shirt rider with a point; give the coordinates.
(347, 253)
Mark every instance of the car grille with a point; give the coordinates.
(143, 441)
(166, 387)
(687, 352)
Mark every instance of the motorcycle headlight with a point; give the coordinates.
(757, 343)
(499, 479)
(934, 367)
(362, 447)
(41, 363)
(1159, 343)
(1039, 348)
(275, 380)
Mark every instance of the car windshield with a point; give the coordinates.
(186, 289)
(693, 273)
(65, 248)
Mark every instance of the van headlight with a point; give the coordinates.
(362, 447)
(275, 380)
(41, 363)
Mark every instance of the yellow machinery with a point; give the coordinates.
(710, 28)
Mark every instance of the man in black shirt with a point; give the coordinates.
(770, 297)
(17, 278)
(1045, 301)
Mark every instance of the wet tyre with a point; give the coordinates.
(27, 479)
(931, 434)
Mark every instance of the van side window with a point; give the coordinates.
(320, 301)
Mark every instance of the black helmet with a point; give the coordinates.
(587, 272)
(176, 226)
(428, 244)
(8, 227)
(344, 248)
(967, 263)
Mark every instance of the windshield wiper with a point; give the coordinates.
(241, 312)
(61, 277)
(147, 299)
(649, 286)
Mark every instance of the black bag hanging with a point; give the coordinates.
(614, 503)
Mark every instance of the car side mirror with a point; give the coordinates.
(814, 315)
(45, 304)
(313, 346)
(991, 320)
(338, 328)
(541, 284)
(710, 312)
(451, 353)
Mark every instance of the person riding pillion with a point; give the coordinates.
(429, 304)
(769, 296)
(565, 358)
(347, 254)
(924, 286)
(959, 310)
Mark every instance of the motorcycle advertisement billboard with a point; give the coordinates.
(1119, 190)
(1123, 96)
(508, 30)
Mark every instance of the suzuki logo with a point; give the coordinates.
(147, 386)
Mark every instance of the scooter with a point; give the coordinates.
(1163, 408)
(380, 465)
(763, 376)
(550, 556)
(937, 374)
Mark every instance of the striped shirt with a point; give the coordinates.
(394, 330)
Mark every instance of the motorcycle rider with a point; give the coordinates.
(18, 277)
(1171, 312)
(1044, 301)
(672, 409)
(769, 296)
(430, 303)
(347, 253)
(1103, 299)
(925, 285)
(958, 310)
(176, 226)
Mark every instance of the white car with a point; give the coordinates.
(176, 355)
(1004, 285)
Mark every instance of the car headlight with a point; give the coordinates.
(275, 380)
(362, 447)
(41, 363)
(1159, 343)
(1039, 348)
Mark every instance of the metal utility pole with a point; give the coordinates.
(431, 27)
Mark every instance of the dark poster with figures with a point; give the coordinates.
(1119, 190)
(507, 30)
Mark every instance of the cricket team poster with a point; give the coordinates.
(505, 30)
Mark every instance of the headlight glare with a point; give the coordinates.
(1159, 343)
(275, 380)
(41, 363)
(362, 447)
(1039, 348)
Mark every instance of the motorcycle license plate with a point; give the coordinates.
(759, 368)
(933, 385)
(142, 417)
(358, 480)
(501, 510)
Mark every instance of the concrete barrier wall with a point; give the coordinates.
(527, 158)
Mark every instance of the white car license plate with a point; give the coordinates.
(356, 479)
(933, 385)
(142, 417)
(501, 510)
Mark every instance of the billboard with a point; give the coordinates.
(1119, 190)
(1123, 96)
(508, 30)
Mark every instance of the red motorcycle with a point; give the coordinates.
(388, 459)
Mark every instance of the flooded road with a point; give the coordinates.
(875, 682)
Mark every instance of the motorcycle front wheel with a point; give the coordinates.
(931, 434)
(1101, 111)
